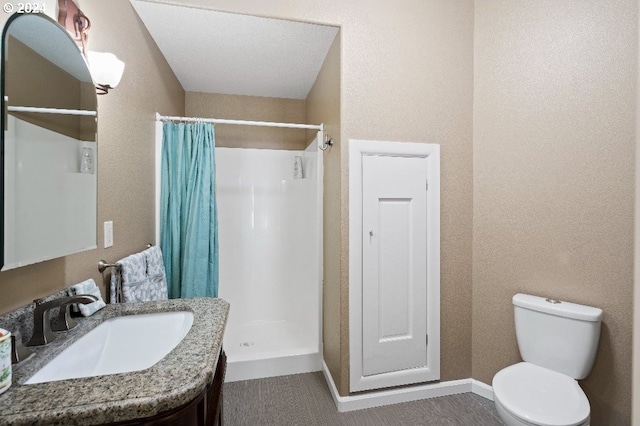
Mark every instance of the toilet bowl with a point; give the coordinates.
(558, 342)
(529, 395)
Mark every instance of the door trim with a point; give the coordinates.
(358, 149)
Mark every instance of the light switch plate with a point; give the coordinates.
(108, 234)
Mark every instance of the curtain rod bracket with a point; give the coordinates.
(328, 142)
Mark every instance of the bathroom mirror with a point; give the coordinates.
(49, 148)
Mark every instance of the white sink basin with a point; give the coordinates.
(118, 345)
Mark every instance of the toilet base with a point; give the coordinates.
(509, 420)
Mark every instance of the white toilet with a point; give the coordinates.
(558, 343)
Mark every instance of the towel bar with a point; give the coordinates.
(102, 264)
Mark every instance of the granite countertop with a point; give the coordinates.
(175, 380)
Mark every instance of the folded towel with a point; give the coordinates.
(87, 287)
(156, 274)
(115, 290)
(129, 280)
(139, 278)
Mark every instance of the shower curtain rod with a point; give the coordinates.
(11, 108)
(241, 122)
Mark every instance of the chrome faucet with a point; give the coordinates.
(42, 333)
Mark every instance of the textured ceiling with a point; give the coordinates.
(218, 52)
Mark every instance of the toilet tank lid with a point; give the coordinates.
(556, 307)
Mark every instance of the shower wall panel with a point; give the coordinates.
(269, 251)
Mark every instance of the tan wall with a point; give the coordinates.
(126, 134)
(553, 174)
(323, 106)
(635, 402)
(254, 108)
(407, 75)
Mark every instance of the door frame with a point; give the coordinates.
(358, 149)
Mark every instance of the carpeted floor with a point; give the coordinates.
(304, 399)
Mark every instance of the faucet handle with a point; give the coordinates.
(64, 321)
(18, 351)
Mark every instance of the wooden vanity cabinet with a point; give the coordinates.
(203, 410)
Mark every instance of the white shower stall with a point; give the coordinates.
(269, 235)
(270, 245)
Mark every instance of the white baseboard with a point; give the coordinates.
(396, 396)
(482, 389)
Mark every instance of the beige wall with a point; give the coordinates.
(635, 402)
(254, 108)
(553, 174)
(126, 134)
(407, 75)
(323, 106)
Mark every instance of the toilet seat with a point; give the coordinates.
(540, 396)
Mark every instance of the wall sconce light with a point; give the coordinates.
(106, 70)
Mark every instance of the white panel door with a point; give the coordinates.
(394, 263)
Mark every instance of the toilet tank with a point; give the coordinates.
(557, 335)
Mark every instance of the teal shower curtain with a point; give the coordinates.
(188, 216)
